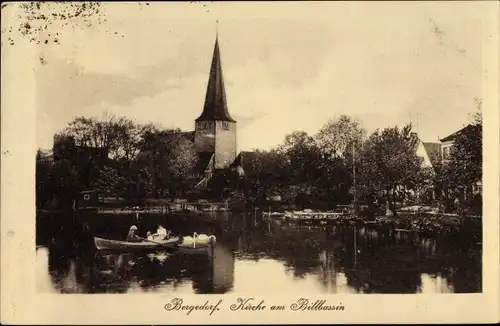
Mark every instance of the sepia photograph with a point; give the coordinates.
(302, 155)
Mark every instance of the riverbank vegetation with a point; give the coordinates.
(133, 161)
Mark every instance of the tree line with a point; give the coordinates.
(381, 170)
(337, 164)
(136, 161)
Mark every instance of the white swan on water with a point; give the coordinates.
(199, 238)
(204, 237)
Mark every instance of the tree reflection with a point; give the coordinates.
(382, 262)
(339, 258)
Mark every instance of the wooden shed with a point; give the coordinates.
(87, 200)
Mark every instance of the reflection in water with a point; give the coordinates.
(223, 270)
(262, 256)
(434, 284)
(44, 281)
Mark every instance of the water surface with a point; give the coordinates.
(252, 254)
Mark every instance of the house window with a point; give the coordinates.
(446, 153)
(225, 125)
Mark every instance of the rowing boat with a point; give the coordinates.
(106, 244)
(198, 243)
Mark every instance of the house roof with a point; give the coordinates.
(204, 159)
(215, 107)
(246, 161)
(433, 151)
(455, 134)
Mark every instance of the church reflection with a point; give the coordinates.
(219, 276)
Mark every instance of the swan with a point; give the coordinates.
(198, 238)
(204, 237)
(190, 240)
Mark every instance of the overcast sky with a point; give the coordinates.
(286, 66)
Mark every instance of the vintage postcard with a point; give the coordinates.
(218, 162)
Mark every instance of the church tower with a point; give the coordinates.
(215, 129)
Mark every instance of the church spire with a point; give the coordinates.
(215, 107)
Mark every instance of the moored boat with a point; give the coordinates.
(308, 214)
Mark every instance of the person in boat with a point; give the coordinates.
(161, 233)
(132, 234)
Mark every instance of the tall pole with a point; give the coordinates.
(355, 245)
(354, 202)
(354, 180)
(417, 122)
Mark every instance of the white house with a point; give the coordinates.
(430, 152)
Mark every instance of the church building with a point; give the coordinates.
(215, 134)
(215, 129)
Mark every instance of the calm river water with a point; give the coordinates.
(252, 254)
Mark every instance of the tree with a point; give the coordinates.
(336, 136)
(178, 164)
(63, 183)
(464, 169)
(168, 159)
(390, 166)
(86, 139)
(268, 172)
(425, 185)
(109, 181)
(462, 172)
(303, 157)
(118, 135)
(316, 177)
(336, 141)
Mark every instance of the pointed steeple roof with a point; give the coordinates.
(215, 107)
